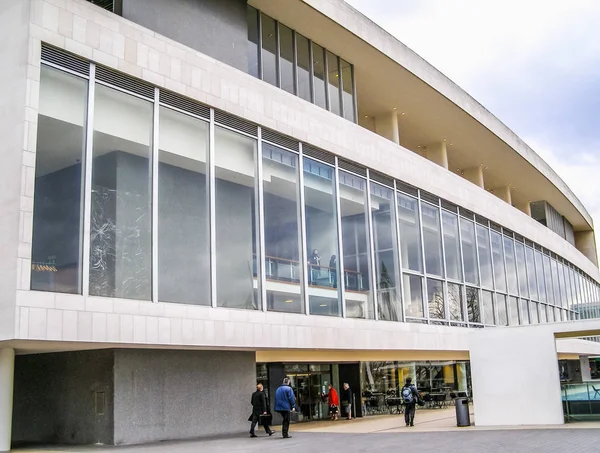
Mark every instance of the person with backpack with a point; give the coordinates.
(410, 396)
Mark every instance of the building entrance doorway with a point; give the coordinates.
(309, 383)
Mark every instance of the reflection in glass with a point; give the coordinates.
(513, 309)
(524, 311)
(511, 266)
(282, 245)
(56, 262)
(548, 280)
(502, 311)
(498, 259)
(269, 50)
(334, 83)
(303, 67)
(531, 275)
(183, 256)
(347, 90)
(435, 299)
(455, 302)
(384, 230)
(487, 300)
(467, 231)
(413, 296)
(535, 318)
(539, 267)
(473, 307)
(321, 237)
(452, 246)
(410, 233)
(353, 207)
(555, 283)
(319, 75)
(286, 60)
(521, 269)
(485, 256)
(252, 19)
(121, 253)
(542, 311)
(432, 240)
(235, 162)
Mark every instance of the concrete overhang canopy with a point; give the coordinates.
(389, 75)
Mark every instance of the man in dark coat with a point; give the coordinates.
(260, 411)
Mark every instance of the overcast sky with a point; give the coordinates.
(535, 64)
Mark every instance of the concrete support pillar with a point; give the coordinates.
(516, 358)
(386, 125)
(475, 175)
(525, 207)
(585, 242)
(7, 375)
(503, 193)
(584, 366)
(437, 153)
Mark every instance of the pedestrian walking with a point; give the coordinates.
(347, 400)
(410, 396)
(333, 401)
(285, 404)
(260, 411)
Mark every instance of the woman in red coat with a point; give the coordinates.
(334, 402)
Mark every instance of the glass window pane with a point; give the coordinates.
(487, 300)
(498, 259)
(252, 17)
(524, 311)
(531, 274)
(183, 253)
(473, 307)
(348, 90)
(539, 269)
(334, 83)
(535, 317)
(410, 233)
(542, 312)
(555, 283)
(319, 75)
(303, 68)
(432, 241)
(435, 299)
(467, 231)
(58, 197)
(548, 277)
(511, 266)
(521, 269)
(513, 309)
(269, 50)
(384, 229)
(413, 296)
(485, 256)
(321, 238)
(121, 253)
(455, 302)
(550, 313)
(286, 60)
(452, 246)
(502, 311)
(282, 243)
(353, 207)
(235, 163)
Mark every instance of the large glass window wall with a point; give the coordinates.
(188, 209)
(304, 68)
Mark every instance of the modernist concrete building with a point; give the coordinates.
(197, 194)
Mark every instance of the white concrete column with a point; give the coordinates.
(585, 242)
(525, 207)
(437, 153)
(515, 376)
(475, 175)
(386, 125)
(503, 193)
(584, 366)
(7, 375)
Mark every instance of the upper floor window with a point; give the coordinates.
(114, 6)
(284, 58)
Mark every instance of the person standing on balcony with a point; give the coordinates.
(314, 261)
(333, 271)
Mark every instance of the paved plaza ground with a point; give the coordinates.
(435, 432)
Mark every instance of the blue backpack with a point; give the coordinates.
(407, 394)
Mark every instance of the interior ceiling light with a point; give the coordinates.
(403, 113)
(323, 305)
(366, 116)
(418, 146)
(289, 301)
(395, 108)
(444, 139)
(450, 144)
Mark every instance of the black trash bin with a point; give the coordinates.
(462, 412)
